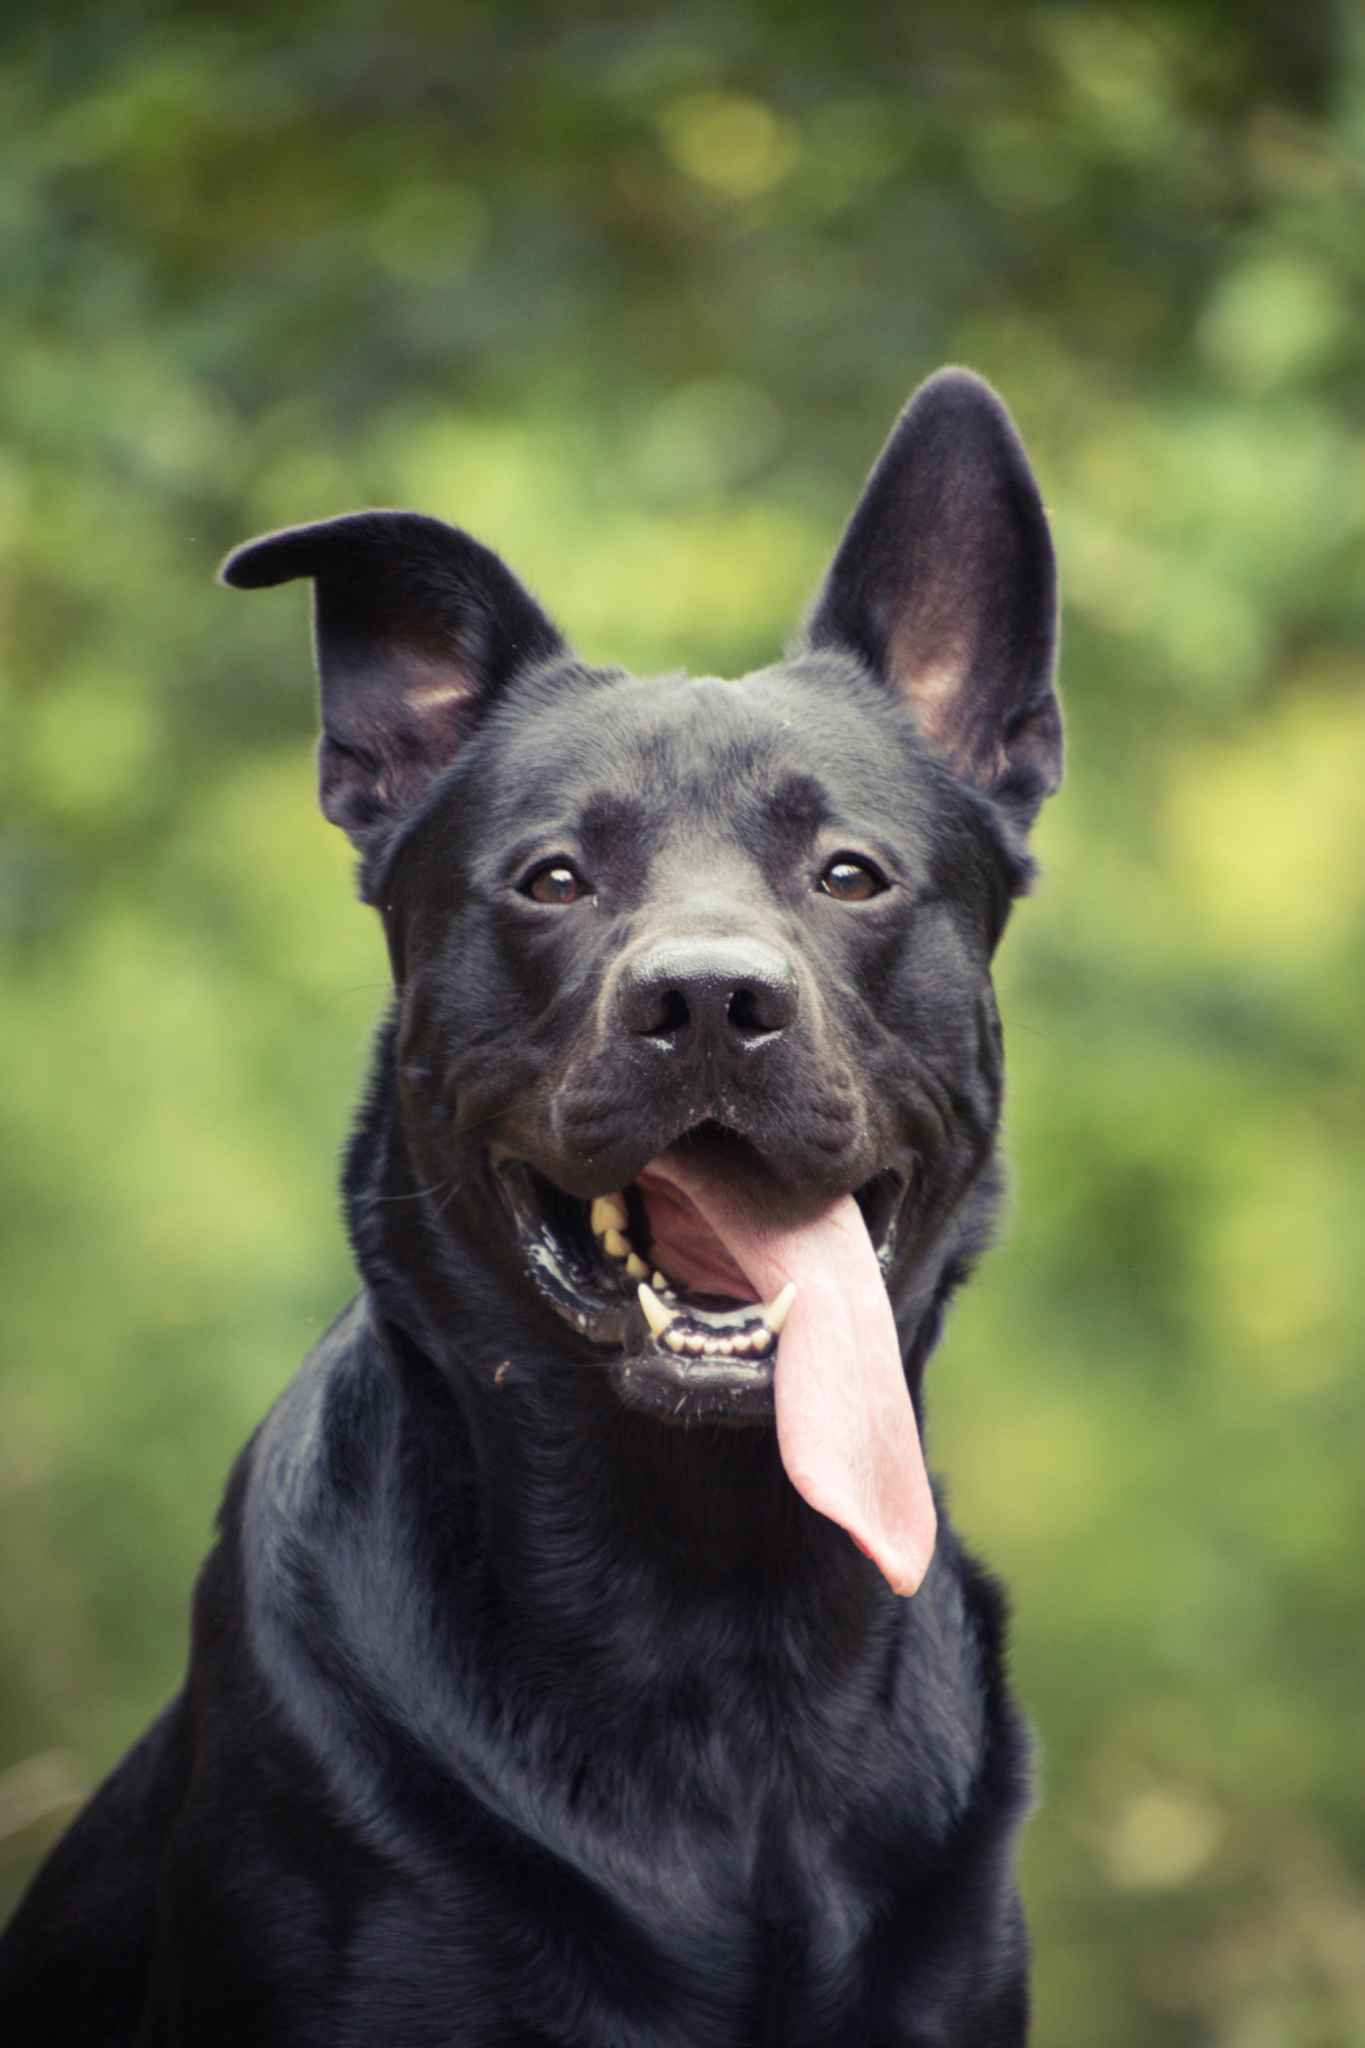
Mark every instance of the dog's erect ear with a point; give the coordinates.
(945, 584)
(416, 626)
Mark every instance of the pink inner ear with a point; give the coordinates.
(426, 699)
(424, 726)
(930, 660)
(427, 681)
(437, 699)
(931, 654)
(398, 733)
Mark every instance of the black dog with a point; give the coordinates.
(549, 1681)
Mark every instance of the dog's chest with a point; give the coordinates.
(696, 1940)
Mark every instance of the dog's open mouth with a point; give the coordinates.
(641, 1270)
(717, 1308)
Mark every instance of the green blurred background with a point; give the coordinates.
(634, 293)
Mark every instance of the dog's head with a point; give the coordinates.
(694, 976)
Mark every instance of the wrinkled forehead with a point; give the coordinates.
(792, 750)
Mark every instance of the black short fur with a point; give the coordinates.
(514, 1714)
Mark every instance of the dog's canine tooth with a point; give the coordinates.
(656, 1315)
(608, 1213)
(615, 1246)
(636, 1266)
(779, 1308)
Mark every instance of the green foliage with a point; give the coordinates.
(633, 294)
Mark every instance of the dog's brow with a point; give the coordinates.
(608, 815)
(800, 800)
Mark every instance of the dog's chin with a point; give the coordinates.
(685, 1350)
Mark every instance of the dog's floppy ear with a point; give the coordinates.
(945, 584)
(416, 626)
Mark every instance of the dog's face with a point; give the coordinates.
(746, 921)
(688, 968)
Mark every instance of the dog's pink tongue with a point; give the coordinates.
(845, 1425)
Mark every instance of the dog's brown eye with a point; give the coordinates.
(556, 882)
(851, 881)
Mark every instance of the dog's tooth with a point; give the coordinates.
(636, 1266)
(674, 1339)
(742, 1344)
(656, 1315)
(779, 1308)
(615, 1246)
(660, 1280)
(761, 1341)
(696, 1345)
(608, 1213)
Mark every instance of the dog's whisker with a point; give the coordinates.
(1033, 1031)
(514, 1102)
(451, 1193)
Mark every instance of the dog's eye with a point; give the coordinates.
(554, 882)
(851, 880)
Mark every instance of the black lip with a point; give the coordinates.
(673, 1390)
(601, 1304)
(558, 1259)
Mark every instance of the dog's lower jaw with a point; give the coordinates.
(671, 1389)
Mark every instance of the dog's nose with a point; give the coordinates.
(733, 993)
